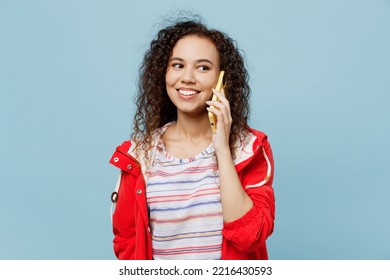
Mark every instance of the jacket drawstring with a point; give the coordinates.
(114, 195)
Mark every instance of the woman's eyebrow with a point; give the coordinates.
(197, 61)
(176, 58)
(204, 60)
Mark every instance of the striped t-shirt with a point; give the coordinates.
(185, 206)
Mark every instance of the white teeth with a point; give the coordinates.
(187, 92)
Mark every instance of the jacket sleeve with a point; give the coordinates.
(123, 220)
(250, 231)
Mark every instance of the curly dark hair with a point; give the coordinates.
(155, 109)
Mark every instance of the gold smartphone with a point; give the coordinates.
(218, 87)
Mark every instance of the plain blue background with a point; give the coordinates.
(320, 78)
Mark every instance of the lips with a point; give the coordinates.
(187, 91)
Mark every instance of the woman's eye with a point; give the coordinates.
(177, 65)
(203, 68)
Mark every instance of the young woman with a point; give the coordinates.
(185, 192)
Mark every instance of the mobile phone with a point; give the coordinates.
(218, 87)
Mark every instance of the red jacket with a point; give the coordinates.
(243, 238)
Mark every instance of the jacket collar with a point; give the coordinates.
(245, 149)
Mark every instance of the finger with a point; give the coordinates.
(225, 111)
(221, 97)
(222, 119)
(216, 104)
(217, 113)
(222, 103)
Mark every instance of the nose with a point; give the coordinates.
(188, 76)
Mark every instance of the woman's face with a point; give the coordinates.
(192, 72)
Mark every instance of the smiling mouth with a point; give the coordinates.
(187, 92)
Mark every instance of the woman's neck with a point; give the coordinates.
(194, 128)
